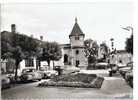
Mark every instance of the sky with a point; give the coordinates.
(99, 21)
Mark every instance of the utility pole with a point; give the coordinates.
(128, 28)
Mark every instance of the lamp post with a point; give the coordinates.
(40, 52)
(128, 28)
(112, 43)
(112, 59)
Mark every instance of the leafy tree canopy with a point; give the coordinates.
(91, 50)
(51, 51)
(17, 47)
(129, 44)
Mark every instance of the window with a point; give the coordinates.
(77, 63)
(29, 62)
(120, 61)
(65, 58)
(77, 52)
(77, 38)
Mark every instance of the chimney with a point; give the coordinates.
(41, 38)
(13, 28)
(31, 35)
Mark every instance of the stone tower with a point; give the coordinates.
(76, 36)
(77, 46)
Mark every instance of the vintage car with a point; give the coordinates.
(129, 74)
(59, 69)
(5, 82)
(70, 69)
(11, 77)
(101, 65)
(30, 75)
(125, 69)
(48, 73)
(130, 64)
(51, 73)
(129, 77)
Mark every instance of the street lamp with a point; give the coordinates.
(128, 28)
(112, 43)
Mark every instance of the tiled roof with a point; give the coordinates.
(76, 29)
(65, 46)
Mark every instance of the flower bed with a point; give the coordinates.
(75, 80)
(79, 77)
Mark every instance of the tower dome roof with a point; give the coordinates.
(76, 29)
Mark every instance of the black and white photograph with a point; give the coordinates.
(74, 50)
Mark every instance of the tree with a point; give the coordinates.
(56, 52)
(129, 44)
(17, 47)
(104, 50)
(91, 50)
(51, 51)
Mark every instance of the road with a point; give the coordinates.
(113, 87)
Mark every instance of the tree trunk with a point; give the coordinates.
(16, 69)
(38, 65)
(53, 64)
(48, 61)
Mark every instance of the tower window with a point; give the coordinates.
(77, 38)
(77, 52)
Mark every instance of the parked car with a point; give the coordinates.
(11, 77)
(70, 69)
(125, 69)
(59, 69)
(30, 74)
(129, 77)
(101, 65)
(47, 73)
(120, 65)
(129, 74)
(5, 82)
(130, 64)
(50, 73)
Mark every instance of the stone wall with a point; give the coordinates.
(79, 42)
(80, 57)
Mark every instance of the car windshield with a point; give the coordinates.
(43, 69)
(28, 70)
(130, 64)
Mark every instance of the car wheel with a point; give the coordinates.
(110, 73)
(131, 83)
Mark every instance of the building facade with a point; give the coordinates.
(121, 57)
(73, 53)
